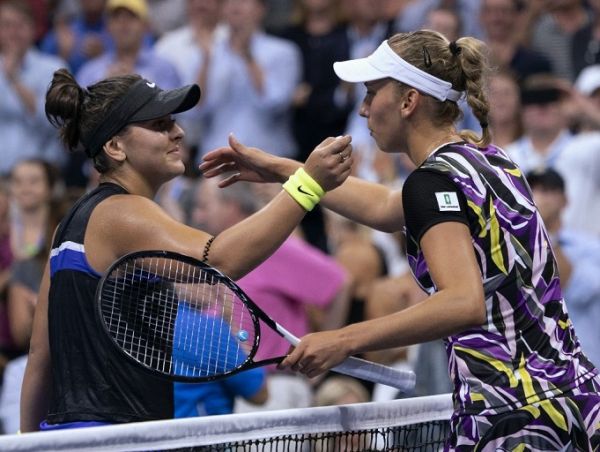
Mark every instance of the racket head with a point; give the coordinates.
(177, 317)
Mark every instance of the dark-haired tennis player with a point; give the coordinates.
(125, 124)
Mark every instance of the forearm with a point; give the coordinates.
(34, 395)
(373, 205)
(439, 316)
(239, 249)
(367, 203)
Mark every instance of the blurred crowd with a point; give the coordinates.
(265, 70)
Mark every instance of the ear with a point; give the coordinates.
(409, 102)
(114, 149)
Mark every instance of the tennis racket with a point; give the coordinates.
(182, 319)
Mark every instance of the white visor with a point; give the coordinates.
(384, 63)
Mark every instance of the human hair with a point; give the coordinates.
(77, 112)
(463, 63)
(51, 172)
(300, 12)
(23, 8)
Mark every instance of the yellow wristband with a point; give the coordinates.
(301, 186)
(313, 185)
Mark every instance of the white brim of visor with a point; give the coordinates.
(385, 63)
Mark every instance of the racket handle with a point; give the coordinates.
(404, 380)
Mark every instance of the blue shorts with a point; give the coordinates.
(44, 426)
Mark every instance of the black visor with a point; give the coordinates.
(144, 101)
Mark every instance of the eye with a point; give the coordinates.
(163, 124)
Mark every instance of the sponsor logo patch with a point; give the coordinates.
(447, 201)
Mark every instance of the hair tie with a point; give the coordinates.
(454, 48)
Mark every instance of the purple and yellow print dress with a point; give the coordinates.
(520, 380)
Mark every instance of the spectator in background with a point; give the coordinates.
(190, 48)
(165, 15)
(81, 38)
(585, 45)
(8, 350)
(24, 75)
(444, 20)
(295, 278)
(365, 29)
(578, 257)
(501, 22)
(548, 143)
(23, 288)
(127, 23)
(251, 83)
(579, 164)
(545, 124)
(214, 397)
(585, 95)
(340, 390)
(317, 31)
(414, 15)
(553, 32)
(32, 185)
(505, 108)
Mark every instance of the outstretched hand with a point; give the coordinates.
(241, 163)
(329, 164)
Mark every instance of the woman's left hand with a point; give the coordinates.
(317, 353)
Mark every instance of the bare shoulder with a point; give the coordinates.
(125, 223)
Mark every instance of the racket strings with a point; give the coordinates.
(176, 318)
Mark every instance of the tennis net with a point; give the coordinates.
(414, 424)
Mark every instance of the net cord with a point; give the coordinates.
(201, 431)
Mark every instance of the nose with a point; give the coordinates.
(364, 110)
(177, 132)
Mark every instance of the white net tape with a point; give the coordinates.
(202, 431)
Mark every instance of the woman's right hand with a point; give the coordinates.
(330, 163)
(245, 163)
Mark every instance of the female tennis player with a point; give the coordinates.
(74, 377)
(476, 244)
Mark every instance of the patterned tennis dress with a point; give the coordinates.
(520, 380)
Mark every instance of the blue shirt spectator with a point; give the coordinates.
(77, 40)
(148, 65)
(24, 76)
(582, 291)
(127, 23)
(250, 84)
(578, 258)
(216, 397)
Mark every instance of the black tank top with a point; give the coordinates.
(91, 381)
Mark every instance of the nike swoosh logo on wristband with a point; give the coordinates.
(304, 192)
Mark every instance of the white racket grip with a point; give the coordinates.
(403, 380)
